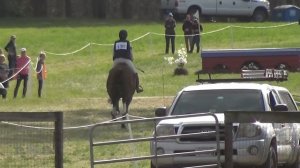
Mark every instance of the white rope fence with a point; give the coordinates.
(15, 74)
(67, 128)
(136, 39)
(162, 34)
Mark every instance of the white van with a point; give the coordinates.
(258, 10)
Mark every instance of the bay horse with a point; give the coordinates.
(121, 83)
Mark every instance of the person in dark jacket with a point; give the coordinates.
(197, 29)
(10, 48)
(187, 29)
(123, 54)
(170, 25)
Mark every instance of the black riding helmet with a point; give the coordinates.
(123, 34)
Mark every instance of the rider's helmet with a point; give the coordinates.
(123, 34)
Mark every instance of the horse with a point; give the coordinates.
(121, 83)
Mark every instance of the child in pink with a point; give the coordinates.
(22, 65)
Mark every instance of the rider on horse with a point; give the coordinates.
(123, 54)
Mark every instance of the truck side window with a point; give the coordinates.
(287, 99)
(273, 99)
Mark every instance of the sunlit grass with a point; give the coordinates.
(76, 82)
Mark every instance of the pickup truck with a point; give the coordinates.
(264, 145)
(258, 10)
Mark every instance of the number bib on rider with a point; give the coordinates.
(121, 46)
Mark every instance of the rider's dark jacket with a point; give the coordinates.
(122, 49)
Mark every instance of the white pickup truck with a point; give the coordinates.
(258, 10)
(263, 145)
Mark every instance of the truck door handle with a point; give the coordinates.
(233, 3)
(220, 2)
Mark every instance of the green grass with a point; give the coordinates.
(83, 74)
(76, 82)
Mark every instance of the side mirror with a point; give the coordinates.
(161, 112)
(280, 107)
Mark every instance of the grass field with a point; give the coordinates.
(76, 82)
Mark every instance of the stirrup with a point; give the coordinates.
(139, 89)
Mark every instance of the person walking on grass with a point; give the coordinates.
(170, 25)
(22, 65)
(41, 72)
(10, 48)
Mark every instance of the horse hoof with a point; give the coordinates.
(114, 114)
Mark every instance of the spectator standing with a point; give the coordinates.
(22, 64)
(187, 29)
(10, 48)
(41, 71)
(3, 76)
(197, 29)
(170, 25)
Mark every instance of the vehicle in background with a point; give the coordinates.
(234, 60)
(257, 10)
(167, 6)
(264, 145)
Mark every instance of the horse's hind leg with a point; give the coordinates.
(115, 111)
(124, 114)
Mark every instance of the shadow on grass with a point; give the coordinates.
(83, 119)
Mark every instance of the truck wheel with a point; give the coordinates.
(271, 161)
(259, 15)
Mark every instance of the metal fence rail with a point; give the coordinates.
(40, 117)
(155, 138)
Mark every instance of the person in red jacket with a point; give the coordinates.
(22, 66)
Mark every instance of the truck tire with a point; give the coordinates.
(271, 161)
(259, 15)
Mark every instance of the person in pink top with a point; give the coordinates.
(22, 65)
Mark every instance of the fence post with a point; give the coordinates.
(228, 144)
(58, 137)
